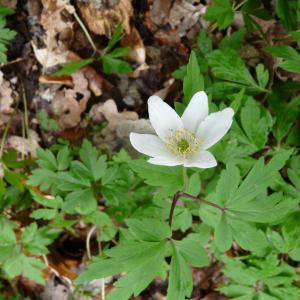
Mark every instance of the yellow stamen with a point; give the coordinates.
(183, 143)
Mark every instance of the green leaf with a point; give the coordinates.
(204, 42)
(132, 258)
(6, 35)
(89, 156)
(28, 266)
(284, 121)
(229, 67)
(137, 279)
(149, 229)
(256, 122)
(233, 41)
(99, 268)
(36, 239)
(6, 11)
(193, 81)
(114, 65)
(8, 239)
(82, 201)
(67, 182)
(48, 202)
(287, 12)
(262, 75)
(106, 228)
(180, 278)
(247, 236)
(117, 52)
(46, 159)
(115, 37)
(220, 11)
(168, 178)
(43, 178)
(291, 57)
(257, 180)
(63, 159)
(228, 184)
(44, 213)
(223, 234)
(192, 251)
(71, 67)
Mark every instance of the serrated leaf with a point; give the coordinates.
(247, 236)
(180, 278)
(48, 202)
(115, 37)
(71, 67)
(46, 159)
(28, 266)
(220, 11)
(192, 251)
(291, 56)
(256, 122)
(149, 229)
(114, 65)
(81, 201)
(168, 178)
(193, 81)
(228, 183)
(44, 213)
(63, 159)
(262, 75)
(229, 67)
(105, 226)
(36, 239)
(223, 234)
(89, 156)
(43, 178)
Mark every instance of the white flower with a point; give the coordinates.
(185, 140)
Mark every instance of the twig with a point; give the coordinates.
(88, 252)
(85, 31)
(4, 138)
(88, 239)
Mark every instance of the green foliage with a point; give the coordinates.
(220, 11)
(290, 55)
(109, 57)
(232, 74)
(17, 256)
(193, 80)
(266, 278)
(71, 67)
(6, 35)
(247, 205)
(46, 122)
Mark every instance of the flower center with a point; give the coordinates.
(183, 146)
(183, 143)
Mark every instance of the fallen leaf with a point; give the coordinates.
(135, 43)
(6, 100)
(68, 104)
(25, 146)
(102, 18)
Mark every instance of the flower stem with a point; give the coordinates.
(185, 179)
(179, 195)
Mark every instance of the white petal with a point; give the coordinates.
(163, 118)
(149, 144)
(196, 112)
(165, 161)
(214, 127)
(202, 159)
